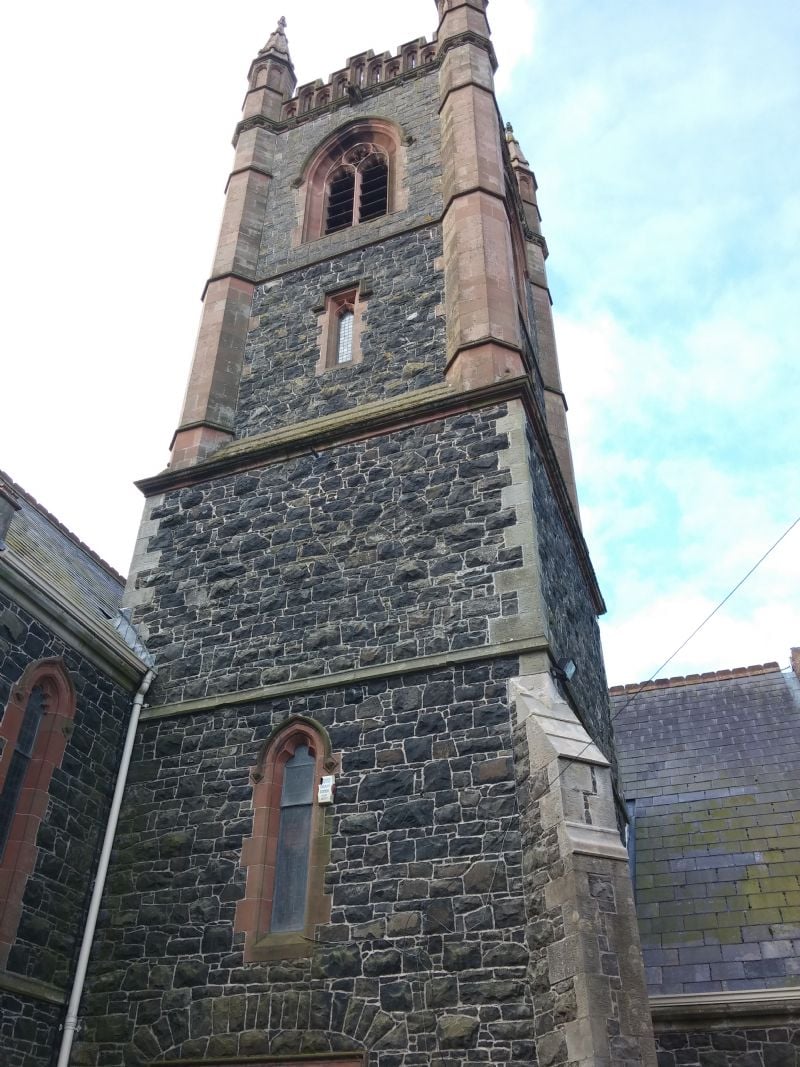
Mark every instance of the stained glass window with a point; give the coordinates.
(294, 842)
(20, 761)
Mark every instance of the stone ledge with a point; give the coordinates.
(31, 987)
(336, 1059)
(749, 1007)
(344, 678)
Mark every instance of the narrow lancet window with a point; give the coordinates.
(20, 761)
(294, 842)
(344, 342)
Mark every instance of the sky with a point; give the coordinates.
(665, 141)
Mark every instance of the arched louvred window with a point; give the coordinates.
(341, 199)
(374, 175)
(356, 176)
(358, 189)
(344, 336)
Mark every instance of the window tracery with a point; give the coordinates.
(354, 177)
(357, 188)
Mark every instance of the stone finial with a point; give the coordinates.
(796, 661)
(278, 41)
(516, 153)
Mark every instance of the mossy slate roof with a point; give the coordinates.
(713, 765)
(61, 559)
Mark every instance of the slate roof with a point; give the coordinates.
(713, 764)
(39, 540)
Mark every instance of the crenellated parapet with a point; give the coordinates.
(364, 71)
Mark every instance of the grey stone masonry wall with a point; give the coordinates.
(80, 794)
(772, 1046)
(424, 960)
(570, 616)
(372, 553)
(29, 1031)
(402, 334)
(413, 107)
(56, 897)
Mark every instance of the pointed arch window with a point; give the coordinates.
(358, 188)
(290, 847)
(34, 730)
(20, 761)
(355, 176)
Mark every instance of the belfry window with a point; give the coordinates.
(358, 189)
(355, 176)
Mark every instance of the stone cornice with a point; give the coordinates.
(737, 1007)
(258, 1061)
(101, 645)
(358, 676)
(32, 988)
(467, 37)
(381, 417)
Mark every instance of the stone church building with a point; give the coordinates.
(370, 813)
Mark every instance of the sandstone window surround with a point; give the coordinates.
(353, 178)
(290, 846)
(34, 731)
(341, 325)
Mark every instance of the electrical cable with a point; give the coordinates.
(643, 685)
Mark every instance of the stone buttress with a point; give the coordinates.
(369, 530)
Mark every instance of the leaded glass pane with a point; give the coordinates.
(30, 723)
(298, 778)
(20, 761)
(12, 787)
(294, 843)
(291, 870)
(344, 347)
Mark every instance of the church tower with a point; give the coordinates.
(372, 816)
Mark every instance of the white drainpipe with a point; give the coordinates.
(71, 1022)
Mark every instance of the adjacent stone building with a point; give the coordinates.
(372, 815)
(69, 667)
(711, 771)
